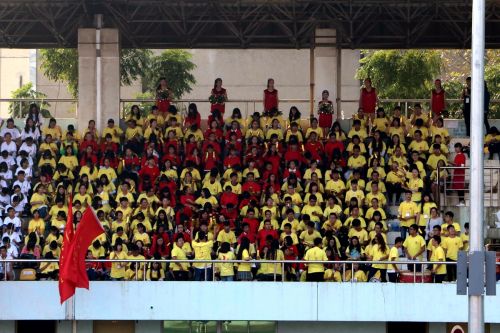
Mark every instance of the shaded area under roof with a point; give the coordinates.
(248, 23)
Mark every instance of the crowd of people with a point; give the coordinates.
(256, 189)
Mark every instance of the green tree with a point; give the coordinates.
(20, 109)
(400, 73)
(61, 65)
(174, 65)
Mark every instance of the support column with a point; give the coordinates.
(335, 70)
(109, 97)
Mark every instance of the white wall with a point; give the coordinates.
(368, 302)
(14, 72)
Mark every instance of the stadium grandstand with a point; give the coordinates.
(282, 220)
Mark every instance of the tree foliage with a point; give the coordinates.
(20, 109)
(61, 65)
(400, 73)
(176, 67)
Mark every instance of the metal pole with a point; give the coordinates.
(98, 73)
(311, 81)
(476, 303)
(339, 77)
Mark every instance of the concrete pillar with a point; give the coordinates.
(7, 325)
(325, 65)
(87, 76)
(148, 326)
(328, 74)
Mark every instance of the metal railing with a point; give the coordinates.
(278, 274)
(449, 189)
(67, 107)
(247, 106)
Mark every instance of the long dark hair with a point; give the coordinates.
(27, 128)
(217, 80)
(297, 114)
(158, 87)
(192, 110)
(244, 245)
(381, 242)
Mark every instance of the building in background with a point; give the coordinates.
(244, 72)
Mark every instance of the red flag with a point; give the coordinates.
(66, 287)
(87, 230)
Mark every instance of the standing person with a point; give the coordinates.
(202, 251)
(368, 98)
(452, 244)
(325, 111)
(438, 100)
(180, 251)
(380, 252)
(438, 270)
(408, 213)
(218, 97)
(414, 247)
(466, 95)
(244, 269)
(271, 100)
(163, 96)
(226, 270)
(316, 272)
(458, 182)
(393, 270)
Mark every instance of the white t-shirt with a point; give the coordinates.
(14, 132)
(15, 221)
(25, 186)
(31, 150)
(30, 134)
(10, 147)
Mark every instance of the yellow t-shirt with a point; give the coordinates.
(378, 254)
(228, 237)
(118, 268)
(438, 255)
(407, 210)
(314, 254)
(226, 269)
(393, 256)
(413, 245)
(452, 246)
(179, 254)
(308, 238)
(356, 162)
(245, 267)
